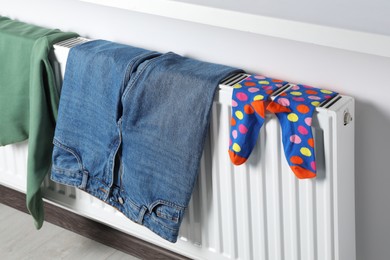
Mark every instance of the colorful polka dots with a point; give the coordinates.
(253, 90)
(284, 102)
(308, 121)
(313, 165)
(234, 134)
(248, 110)
(292, 117)
(268, 87)
(239, 115)
(249, 84)
(314, 97)
(294, 108)
(315, 103)
(303, 109)
(296, 93)
(236, 148)
(296, 125)
(302, 130)
(305, 151)
(263, 82)
(242, 129)
(299, 99)
(311, 92)
(310, 142)
(326, 91)
(277, 80)
(258, 97)
(242, 96)
(296, 159)
(295, 139)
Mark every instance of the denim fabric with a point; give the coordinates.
(131, 129)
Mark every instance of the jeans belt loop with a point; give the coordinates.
(84, 180)
(141, 214)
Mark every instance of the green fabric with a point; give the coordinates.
(29, 99)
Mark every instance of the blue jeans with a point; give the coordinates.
(131, 129)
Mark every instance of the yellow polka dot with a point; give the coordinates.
(238, 85)
(236, 148)
(292, 117)
(239, 115)
(305, 151)
(264, 82)
(326, 91)
(258, 97)
(315, 103)
(296, 93)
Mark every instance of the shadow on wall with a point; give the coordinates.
(372, 180)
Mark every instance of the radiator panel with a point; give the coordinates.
(259, 210)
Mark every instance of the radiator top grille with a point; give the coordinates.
(228, 82)
(72, 42)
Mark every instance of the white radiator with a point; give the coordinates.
(256, 211)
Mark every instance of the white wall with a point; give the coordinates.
(363, 15)
(364, 77)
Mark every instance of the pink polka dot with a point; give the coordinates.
(260, 77)
(306, 86)
(299, 99)
(313, 165)
(242, 96)
(295, 139)
(284, 102)
(278, 85)
(234, 103)
(314, 97)
(308, 121)
(295, 87)
(243, 129)
(302, 130)
(253, 90)
(267, 87)
(234, 134)
(328, 96)
(230, 142)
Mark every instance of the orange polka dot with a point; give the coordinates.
(250, 84)
(233, 122)
(311, 92)
(277, 80)
(311, 142)
(269, 92)
(303, 109)
(248, 109)
(296, 160)
(283, 94)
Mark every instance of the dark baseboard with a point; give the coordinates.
(89, 228)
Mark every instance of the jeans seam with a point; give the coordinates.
(70, 150)
(156, 220)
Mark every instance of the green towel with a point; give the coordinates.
(29, 99)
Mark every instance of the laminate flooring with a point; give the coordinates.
(20, 240)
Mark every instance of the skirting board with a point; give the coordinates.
(89, 228)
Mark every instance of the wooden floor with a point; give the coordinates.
(20, 240)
